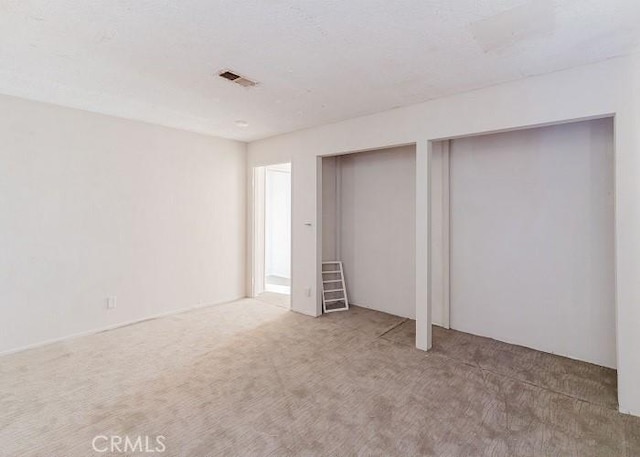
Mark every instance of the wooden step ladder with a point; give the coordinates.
(334, 290)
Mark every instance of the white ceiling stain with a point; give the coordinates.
(532, 20)
(316, 61)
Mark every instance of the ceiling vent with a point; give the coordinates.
(236, 78)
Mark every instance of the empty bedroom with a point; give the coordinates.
(298, 228)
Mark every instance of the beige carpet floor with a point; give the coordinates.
(273, 298)
(251, 379)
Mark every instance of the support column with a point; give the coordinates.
(423, 286)
(627, 182)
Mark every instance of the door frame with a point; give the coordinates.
(258, 184)
(257, 217)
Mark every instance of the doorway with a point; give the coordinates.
(525, 247)
(368, 223)
(272, 233)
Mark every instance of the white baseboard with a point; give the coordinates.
(112, 327)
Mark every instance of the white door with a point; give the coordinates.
(532, 238)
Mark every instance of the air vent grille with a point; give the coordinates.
(229, 75)
(236, 78)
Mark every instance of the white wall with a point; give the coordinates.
(278, 221)
(532, 239)
(610, 87)
(93, 206)
(375, 228)
(330, 209)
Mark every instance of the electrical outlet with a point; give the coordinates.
(307, 291)
(111, 302)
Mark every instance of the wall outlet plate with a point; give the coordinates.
(111, 302)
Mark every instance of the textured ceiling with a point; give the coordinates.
(316, 61)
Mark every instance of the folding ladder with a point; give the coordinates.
(334, 291)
